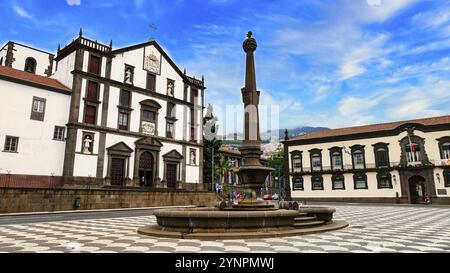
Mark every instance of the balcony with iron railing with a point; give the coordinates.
(444, 163)
(344, 168)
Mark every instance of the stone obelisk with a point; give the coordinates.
(252, 174)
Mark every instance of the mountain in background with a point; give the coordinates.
(299, 131)
(266, 135)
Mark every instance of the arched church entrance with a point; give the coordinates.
(146, 169)
(417, 189)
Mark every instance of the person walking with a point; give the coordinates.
(427, 199)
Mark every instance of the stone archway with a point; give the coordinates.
(146, 169)
(417, 189)
(147, 157)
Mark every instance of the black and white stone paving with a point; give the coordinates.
(372, 229)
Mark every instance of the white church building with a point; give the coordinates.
(91, 114)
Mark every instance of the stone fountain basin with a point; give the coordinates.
(211, 219)
(321, 213)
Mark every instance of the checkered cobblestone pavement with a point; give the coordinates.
(372, 229)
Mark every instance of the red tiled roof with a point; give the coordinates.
(26, 77)
(373, 128)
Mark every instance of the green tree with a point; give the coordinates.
(276, 161)
(211, 149)
(222, 169)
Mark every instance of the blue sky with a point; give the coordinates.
(326, 63)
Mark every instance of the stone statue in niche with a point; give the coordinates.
(87, 142)
(170, 88)
(193, 157)
(129, 75)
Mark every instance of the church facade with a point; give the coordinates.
(126, 117)
(398, 162)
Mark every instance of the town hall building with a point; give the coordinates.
(397, 162)
(125, 117)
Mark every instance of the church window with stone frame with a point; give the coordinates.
(90, 114)
(194, 95)
(125, 99)
(149, 117)
(124, 120)
(94, 64)
(59, 133)
(151, 82)
(92, 91)
(30, 65)
(11, 144)
(38, 109)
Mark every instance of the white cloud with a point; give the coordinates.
(432, 19)
(22, 13)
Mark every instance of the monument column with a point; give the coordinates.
(252, 173)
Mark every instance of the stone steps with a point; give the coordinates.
(308, 224)
(305, 219)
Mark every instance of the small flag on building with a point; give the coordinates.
(347, 150)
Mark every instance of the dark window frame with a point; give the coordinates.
(193, 126)
(147, 85)
(171, 119)
(378, 160)
(38, 116)
(56, 134)
(194, 95)
(334, 151)
(87, 93)
(296, 183)
(355, 149)
(379, 176)
(312, 153)
(16, 150)
(153, 107)
(441, 143)
(91, 56)
(360, 175)
(336, 177)
(90, 105)
(121, 102)
(298, 154)
(446, 175)
(319, 180)
(120, 125)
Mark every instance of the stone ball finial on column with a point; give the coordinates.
(250, 43)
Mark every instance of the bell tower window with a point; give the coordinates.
(30, 65)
